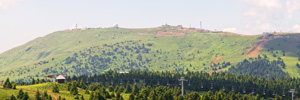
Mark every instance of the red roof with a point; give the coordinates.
(50, 76)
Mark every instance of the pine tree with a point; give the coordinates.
(110, 88)
(49, 97)
(99, 96)
(37, 81)
(82, 84)
(25, 96)
(45, 95)
(87, 91)
(181, 98)
(21, 94)
(152, 95)
(12, 97)
(116, 88)
(55, 88)
(131, 97)
(127, 88)
(32, 81)
(76, 97)
(69, 86)
(37, 95)
(14, 86)
(118, 96)
(7, 84)
(168, 96)
(121, 88)
(112, 94)
(135, 89)
(92, 96)
(74, 90)
(59, 98)
(82, 98)
(278, 97)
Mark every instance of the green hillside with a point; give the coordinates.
(94, 51)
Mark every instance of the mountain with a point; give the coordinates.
(92, 51)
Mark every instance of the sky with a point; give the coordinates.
(25, 20)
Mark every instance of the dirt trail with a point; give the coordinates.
(55, 96)
(160, 33)
(165, 34)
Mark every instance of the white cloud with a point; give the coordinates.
(4, 4)
(269, 4)
(250, 13)
(296, 28)
(260, 16)
(269, 15)
(292, 6)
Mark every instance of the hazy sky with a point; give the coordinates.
(24, 20)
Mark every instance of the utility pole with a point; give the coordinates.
(292, 91)
(200, 25)
(182, 90)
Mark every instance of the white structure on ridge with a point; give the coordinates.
(116, 26)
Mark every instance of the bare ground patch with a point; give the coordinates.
(160, 33)
(218, 59)
(256, 51)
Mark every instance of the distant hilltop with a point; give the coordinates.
(179, 27)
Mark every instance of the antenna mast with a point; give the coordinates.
(200, 25)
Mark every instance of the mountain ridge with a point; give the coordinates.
(154, 49)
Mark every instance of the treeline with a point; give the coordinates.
(260, 67)
(197, 81)
(97, 91)
(168, 93)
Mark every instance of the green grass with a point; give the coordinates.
(31, 89)
(288, 44)
(23, 62)
(48, 87)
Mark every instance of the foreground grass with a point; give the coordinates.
(32, 89)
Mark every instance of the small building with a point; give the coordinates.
(216, 31)
(204, 31)
(1, 82)
(192, 28)
(61, 79)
